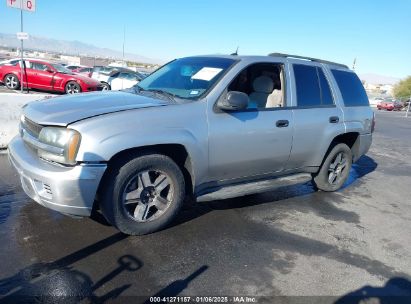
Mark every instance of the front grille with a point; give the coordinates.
(31, 127)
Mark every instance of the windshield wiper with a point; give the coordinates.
(165, 93)
(138, 89)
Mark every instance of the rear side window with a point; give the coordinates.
(351, 88)
(312, 86)
(326, 96)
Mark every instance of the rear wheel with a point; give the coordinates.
(106, 86)
(72, 87)
(143, 195)
(12, 82)
(335, 169)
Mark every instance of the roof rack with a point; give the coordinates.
(307, 58)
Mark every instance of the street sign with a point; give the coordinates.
(27, 5)
(22, 36)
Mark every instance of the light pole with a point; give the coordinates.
(21, 48)
(30, 6)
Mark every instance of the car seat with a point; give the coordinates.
(262, 86)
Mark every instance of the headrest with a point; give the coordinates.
(263, 84)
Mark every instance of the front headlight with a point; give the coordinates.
(64, 144)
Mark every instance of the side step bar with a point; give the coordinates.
(238, 190)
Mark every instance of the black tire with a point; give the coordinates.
(106, 86)
(324, 177)
(11, 81)
(72, 87)
(119, 179)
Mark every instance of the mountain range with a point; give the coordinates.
(70, 48)
(378, 79)
(84, 49)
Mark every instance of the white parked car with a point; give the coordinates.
(375, 101)
(119, 80)
(12, 61)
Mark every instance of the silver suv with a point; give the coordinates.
(195, 126)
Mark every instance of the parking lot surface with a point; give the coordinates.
(289, 242)
(4, 89)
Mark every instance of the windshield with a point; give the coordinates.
(61, 69)
(187, 78)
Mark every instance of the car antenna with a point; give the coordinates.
(235, 53)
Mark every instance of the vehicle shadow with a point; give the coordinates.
(360, 168)
(4, 89)
(176, 287)
(396, 291)
(60, 282)
(364, 166)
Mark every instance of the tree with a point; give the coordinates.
(403, 88)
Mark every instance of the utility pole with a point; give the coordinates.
(30, 6)
(124, 42)
(21, 49)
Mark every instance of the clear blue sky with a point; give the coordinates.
(376, 32)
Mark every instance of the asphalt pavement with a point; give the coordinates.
(4, 89)
(312, 247)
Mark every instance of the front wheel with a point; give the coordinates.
(335, 169)
(12, 82)
(72, 87)
(142, 195)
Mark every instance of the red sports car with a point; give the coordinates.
(390, 105)
(47, 76)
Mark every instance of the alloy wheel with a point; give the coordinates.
(72, 88)
(11, 82)
(148, 195)
(337, 168)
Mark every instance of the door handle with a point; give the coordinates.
(282, 123)
(334, 119)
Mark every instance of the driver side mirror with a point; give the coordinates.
(233, 101)
(49, 70)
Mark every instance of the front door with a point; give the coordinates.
(40, 76)
(256, 141)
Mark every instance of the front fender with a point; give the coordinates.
(105, 136)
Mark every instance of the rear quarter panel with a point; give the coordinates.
(356, 118)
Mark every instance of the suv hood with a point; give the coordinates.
(61, 111)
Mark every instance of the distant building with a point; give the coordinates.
(93, 61)
(387, 89)
(72, 60)
(378, 89)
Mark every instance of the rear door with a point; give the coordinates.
(318, 117)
